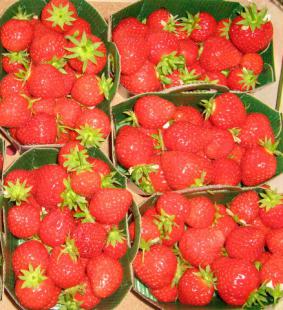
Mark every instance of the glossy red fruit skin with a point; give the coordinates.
(274, 241)
(165, 294)
(237, 153)
(99, 166)
(246, 206)
(257, 223)
(207, 27)
(215, 77)
(44, 106)
(272, 218)
(11, 86)
(248, 41)
(157, 267)
(88, 299)
(11, 67)
(188, 114)
(235, 80)
(86, 183)
(189, 50)
(272, 270)
(79, 26)
(90, 239)
(193, 290)
(105, 275)
(117, 251)
(252, 61)
(176, 234)
(56, 226)
(157, 19)
(149, 230)
(225, 224)
(31, 252)
(43, 297)
(68, 111)
(226, 172)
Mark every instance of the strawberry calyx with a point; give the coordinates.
(105, 85)
(115, 236)
(84, 50)
(188, 76)
(209, 80)
(22, 14)
(32, 277)
(140, 176)
(224, 31)
(159, 143)
(58, 63)
(190, 22)
(171, 24)
(182, 266)
(145, 246)
(270, 199)
(209, 107)
(248, 79)
(21, 57)
(217, 215)
(70, 248)
(89, 136)
(198, 182)
(168, 64)
(110, 181)
(67, 299)
(17, 192)
(258, 265)
(165, 223)
(77, 160)
(84, 215)
(207, 276)
(60, 15)
(31, 101)
(131, 119)
(270, 147)
(252, 18)
(235, 132)
(23, 75)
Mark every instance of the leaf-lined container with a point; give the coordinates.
(179, 98)
(35, 158)
(99, 28)
(219, 9)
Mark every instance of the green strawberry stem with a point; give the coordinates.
(159, 139)
(70, 248)
(209, 107)
(271, 147)
(198, 182)
(60, 15)
(270, 199)
(84, 215)
(17, 192)
(58, 63)
(253, 18)
(32, 277)
(77, 160)
(21, 57)
(89, 136)
(109, 181)
(131, 119)
(171, 24)
(22, 14)
(248, 79)
(217, 215)
(105, 85)
(182, 266)
(190, 22)
(165, 224)
(115, 236)
(235, 132)
(207, 276)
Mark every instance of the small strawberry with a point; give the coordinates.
(189, 50)
(223, 27)
(253, 62)
(11, 85)
(67, 111)
(105, 275)
(226, 172)
(86, 183)
(241, 79)
(13, 62)
(272, 270)
(274, 241)
(188, 114)
(116, 244)
(159, 20)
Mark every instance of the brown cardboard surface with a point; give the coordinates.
(267, 95)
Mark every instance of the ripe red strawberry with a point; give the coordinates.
(14, 111)
(263, 258)
(253, 62)
(40, 129)
(201, 246)
(237, 153)
(257, 223)
(110, 205)
(67, 111)
(222, 221)
(241, 79)
(16, 34)
(257, 127)
(252, 31)
(188, 114)
(185, 137)
(153, 111)
(236, 280)
(65, 267)
(151, 212)
(32, 253)
(44, 106)
(223, 27)
(149, 230)
(85, 183)
(10, 85)
(13, 62)
(156, 267)
(200, 212)
(214, 78)
(79, 26)
(99, 166)
(90, 239)
(45, 82)
(56, 227)
(35, 290)
(274, 241)
(226, 172)
(165, 294)
(69, 78)
(40, 29)
(132, 147)
(23, 220)
(158, 20)
(173, 79)
(196, 287)
(189, 50)
(59, 15)
(144, 80)
(245, 206)
(196, 70)
(116, 244)
(50, 184)
(225, 111)
(272, 270)
(105, 275)
(219, 54)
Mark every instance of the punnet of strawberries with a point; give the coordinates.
(164, 49)
(202, 248)
(67, 232)
(56, 77)
(166, 146)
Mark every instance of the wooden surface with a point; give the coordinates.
(267, 95)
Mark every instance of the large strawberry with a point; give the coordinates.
(11, 85)
(188, 114)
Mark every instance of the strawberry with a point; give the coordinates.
(165, 294)
(274, 241)
(73, 157)
(245, 206)
(153, 111)
(67, 111)
(184, 136)
(237, 153)
(196, 287)
(236, 280)
(225, 111)
(44, 106)
(110, 205)
(90, 239)
(253, 62)
(40, 29)
(201, 246)
(100, 166)
(151, 212)
(222, 221)
(189, 50)
(35, 290)
(10, 85)
(173, 79)
(158, 20)
(241, 79)
(69, 77)
(79, 26)
(56, 226)
(14, 111)
(245, 243)
(223, 27)
(23, 220)
(257, 127)
(32, 253)
(200, 26)
(149, 230)
(156, 267)
(272, 270)
(132, 147)
(214, 78)
(188, 114)
(85, 183)
(65, 267)
(13, 62)
(263, 258)
(196, 70)
(144, 80)
(226, 172)
(59, 15)
(219, 54)
(257, 223)
(252, 31)
(50, 184)
(41, 129)
(45, 82)
(105, 275)
(90, 90)
(200, 212)
(116, 244)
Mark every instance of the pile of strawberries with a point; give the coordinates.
(167, 147)
(67, 216)
(193, 249)
(165, 50)
(53, 80)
